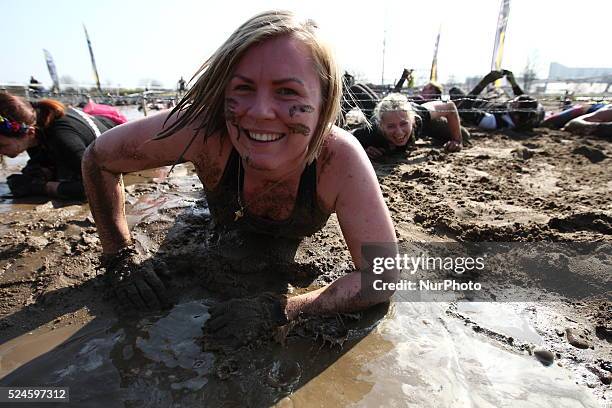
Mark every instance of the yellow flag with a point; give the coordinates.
(500, 36)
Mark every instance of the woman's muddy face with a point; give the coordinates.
(396, 127)
(272, 104)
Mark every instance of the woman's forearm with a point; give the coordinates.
(454, 122)
(104, 192)
(349, 293)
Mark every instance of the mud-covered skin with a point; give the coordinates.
(134, 281)
(300, 129)
(299, 109)
(240, 322)
(230, 110)
(296, 111)
(94, 177)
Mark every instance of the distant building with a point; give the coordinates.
(561, 72)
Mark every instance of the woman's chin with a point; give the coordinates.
(263, 163)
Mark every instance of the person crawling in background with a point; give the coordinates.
(596, 123)
(588, 119)
(55, 137)
(399, 122)
(432, 91)
(521, 113)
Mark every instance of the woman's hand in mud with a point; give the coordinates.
(22, 185)
(452, 146)
(134, 281)
(238, 322)
(375, 152)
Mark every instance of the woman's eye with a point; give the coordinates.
(286, 92)
(242, 87)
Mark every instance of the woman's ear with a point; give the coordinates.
(30, 136)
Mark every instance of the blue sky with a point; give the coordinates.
(162, 40)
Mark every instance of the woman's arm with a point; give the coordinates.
(123, 149)
(488, 79)
(364, 218)
(448, 110)
(516, 89)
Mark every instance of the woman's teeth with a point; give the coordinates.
(265, 137)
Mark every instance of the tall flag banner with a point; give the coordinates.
(93, 60)
(52, 70)
(433, 75)
(500, 35)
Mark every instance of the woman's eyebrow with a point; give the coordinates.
(245, 79)
(284, 80)
(275, 82)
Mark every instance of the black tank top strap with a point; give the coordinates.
(305, 219)
(307, 192)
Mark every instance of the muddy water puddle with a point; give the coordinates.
(417, 356)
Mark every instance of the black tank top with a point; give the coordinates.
(306, 218)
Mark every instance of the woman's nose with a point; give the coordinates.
(262, 107)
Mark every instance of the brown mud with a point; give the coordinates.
(58, 324)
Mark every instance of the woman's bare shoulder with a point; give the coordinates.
(136, 145)
(341, 160)
(342, 150)
(340, 142)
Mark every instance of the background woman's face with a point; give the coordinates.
(396, 127)
(272, 103)
(12, 146)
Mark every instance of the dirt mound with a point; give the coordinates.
(593, 154)
(587, 221)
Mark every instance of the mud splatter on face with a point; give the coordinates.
(299, 128)
(230, 110)
(300, 109)
(230, 115)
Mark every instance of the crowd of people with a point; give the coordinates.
(260, 125)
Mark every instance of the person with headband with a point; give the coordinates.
(399, 122)
(55, 138)
(258, 126)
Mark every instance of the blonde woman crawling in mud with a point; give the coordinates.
(258, 128)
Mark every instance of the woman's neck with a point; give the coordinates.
(266, 176)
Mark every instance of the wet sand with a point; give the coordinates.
(58, 324)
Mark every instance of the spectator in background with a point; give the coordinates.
(181, 87)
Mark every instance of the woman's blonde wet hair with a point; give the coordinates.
(393, 102)
(206, 98)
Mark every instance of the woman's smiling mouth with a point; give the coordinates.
(264, 137)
